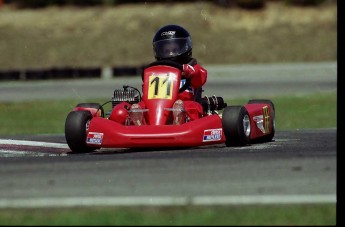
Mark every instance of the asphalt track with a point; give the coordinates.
(299, 166)
(261, 80)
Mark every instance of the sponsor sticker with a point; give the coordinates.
(212, 135)
(267, 118)
(259, 122)
(170, 33)
(262, 121)
(94, 138)
(188, 89)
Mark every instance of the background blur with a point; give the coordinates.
(73, 33)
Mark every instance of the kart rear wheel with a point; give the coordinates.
(268, 137)
(236, 125)
(96, 106)
(76, 127)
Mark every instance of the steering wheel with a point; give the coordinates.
(172, 64)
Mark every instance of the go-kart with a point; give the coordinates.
(88, 127)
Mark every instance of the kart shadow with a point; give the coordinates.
(118, 151)
(115, 151)
(109, 151)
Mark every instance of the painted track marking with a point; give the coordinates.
(167, 200)
(16, 153)
(17, 148)
(32, 143)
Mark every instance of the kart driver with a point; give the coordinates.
(173, 42)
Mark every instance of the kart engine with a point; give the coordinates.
(213, 103)
(126, 94)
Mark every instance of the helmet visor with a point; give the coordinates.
(172, 47)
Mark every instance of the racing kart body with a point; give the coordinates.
(87, 128)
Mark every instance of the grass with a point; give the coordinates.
(41, 117)
(122, 35)
(304, 111)
(320, 214)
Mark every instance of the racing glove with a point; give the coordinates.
(188, 71)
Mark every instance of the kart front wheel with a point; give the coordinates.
(76, 126)
(236, 125)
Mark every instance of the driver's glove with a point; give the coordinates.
(188, 71)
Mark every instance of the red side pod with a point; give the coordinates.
(160, 91)
(260, 119)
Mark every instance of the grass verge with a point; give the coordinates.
(317, 214)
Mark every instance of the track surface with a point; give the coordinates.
(297, 162)
(300, 166)
(254, 81)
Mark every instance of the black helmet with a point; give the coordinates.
(172, 42)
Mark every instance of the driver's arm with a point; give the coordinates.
(196, 73)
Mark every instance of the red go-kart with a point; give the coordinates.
(88, 127)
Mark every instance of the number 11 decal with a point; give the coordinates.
(160, 87)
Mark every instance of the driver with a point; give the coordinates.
(173, 42)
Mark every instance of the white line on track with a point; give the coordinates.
(32, 143)
(166, 201)
(16, 153)
(9, 148)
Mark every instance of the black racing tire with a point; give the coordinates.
(75, 131)
(268, 137)
(236, 126)
(96, 106)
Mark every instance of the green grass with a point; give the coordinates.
(320, 214)
(41, 117)
(304, 111)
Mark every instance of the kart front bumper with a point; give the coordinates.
(109, 134)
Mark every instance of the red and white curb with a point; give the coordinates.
(14, 148)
